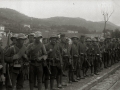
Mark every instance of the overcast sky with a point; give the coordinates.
(87, 9)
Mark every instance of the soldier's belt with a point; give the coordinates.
(65, 56)
(17, 65)
(53, 60)
(76, 56)
(36, 61)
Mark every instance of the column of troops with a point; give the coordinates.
(50, 61)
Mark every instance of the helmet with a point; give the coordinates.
(31, 34)
(88, 40)
(38, 34)
(53, 36)
(21, 36)
(94, 40)
(102, 39)
(74, 37)
(14, 36)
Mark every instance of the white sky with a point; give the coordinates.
(87, 9)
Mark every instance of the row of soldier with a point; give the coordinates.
(52, 60)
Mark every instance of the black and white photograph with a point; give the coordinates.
(59, 44)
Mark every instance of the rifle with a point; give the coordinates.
(7, 66)
(85, 58)
(45, 64)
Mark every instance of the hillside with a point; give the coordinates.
(13, 17)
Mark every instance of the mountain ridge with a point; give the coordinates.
(10, 15)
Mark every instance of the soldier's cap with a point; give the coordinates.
(21, 36)
(88, 40)
(108, 37)
(31, 34)
(94, 40)
(74, 37)
(102, 39)
(53, 36)
(14, 36)
(38, 34)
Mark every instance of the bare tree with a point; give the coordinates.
(106, 15)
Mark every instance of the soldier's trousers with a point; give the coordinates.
(96, 65)
(19, 77)
(77, 66)
(65, 65)
(55, 73)
(106, 59)
(1, 82)
(38, 71)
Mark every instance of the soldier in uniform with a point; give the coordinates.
(75, 61)
(15, 57)
(89, 52)
(82, 52)
(101, 45)
(1, 65)
(36, 53)
(96, 56)
(65, 53)
(107, 52)
(116, 50)
(55, 63)
(30, 40)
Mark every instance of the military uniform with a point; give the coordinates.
(96, 53)
(26, 67)
(1, 67)
(65, 54)
(83, 55)
(36, 53)
(75, 61)
(55, 63)
(89, 53)
(107, 53)
(15, 62)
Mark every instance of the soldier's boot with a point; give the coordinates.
(40, 86)
(92, 70)
(73, 77)
(105, 64)
(83, 73)
(95, 70)
(51, 84)
(78, 74)
(31, 86)
(46, 84)
(70, 76)
(35, 83)
(59, 81)
(86, 70)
